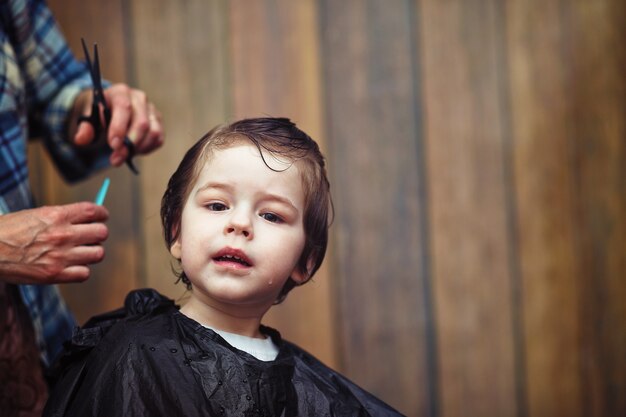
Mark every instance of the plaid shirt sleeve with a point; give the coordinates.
(52, 322)
(52, 80)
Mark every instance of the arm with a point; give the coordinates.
(58, 90)
(46, 245)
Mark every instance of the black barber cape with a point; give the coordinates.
(148, 359)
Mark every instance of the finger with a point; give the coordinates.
(78, 259)
(154, 136)
(135, 121)
(88, 234)
(85, 212)
(74, 273)
(119, 98)
(84, 134)
(118, 157)
(140, 122)
(85, 255)
(129, 119)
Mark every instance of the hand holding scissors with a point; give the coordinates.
(122, 113)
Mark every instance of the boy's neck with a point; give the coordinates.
(215, 318)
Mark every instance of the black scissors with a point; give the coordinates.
(100, 103)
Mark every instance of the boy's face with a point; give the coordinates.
(242, 229)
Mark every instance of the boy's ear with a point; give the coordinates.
(176, 249)
(300, 276)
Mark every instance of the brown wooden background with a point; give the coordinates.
(477, 154)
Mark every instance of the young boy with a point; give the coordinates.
(246, 216)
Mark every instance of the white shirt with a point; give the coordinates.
(262, 349)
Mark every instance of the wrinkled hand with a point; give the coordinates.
(52, 244)
(132, 116)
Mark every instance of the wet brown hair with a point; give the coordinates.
(278, 137)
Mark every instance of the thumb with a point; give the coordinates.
(84, 134)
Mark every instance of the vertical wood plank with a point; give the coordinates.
(276, 72)
(101, 23)
(567, 77)
(598, 73)
(468, 210)
(546, 198)
(179, 57)
(373, 135)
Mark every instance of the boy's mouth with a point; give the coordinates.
(234, 257)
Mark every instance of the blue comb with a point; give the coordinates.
(103, 192)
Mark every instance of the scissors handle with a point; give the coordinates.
(131, 153)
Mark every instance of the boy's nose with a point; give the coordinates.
(239, 230)
(239, 224)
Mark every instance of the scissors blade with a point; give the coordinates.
(88, 61)
(97, 87)
(94, 117)
(96, 70)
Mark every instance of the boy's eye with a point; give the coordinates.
(216, 207)
(271, 217)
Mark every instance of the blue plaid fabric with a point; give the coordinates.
(39, 80)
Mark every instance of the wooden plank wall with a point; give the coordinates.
(567, 95)
(373, 120)
(477, 158)
(466, 175)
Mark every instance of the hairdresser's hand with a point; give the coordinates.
(132, 116)
(52, 244)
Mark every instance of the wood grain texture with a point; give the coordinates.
(373, 136)
(598, 95)
(569, 140)
(180, 57)
(560, 198)
(467, 207)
